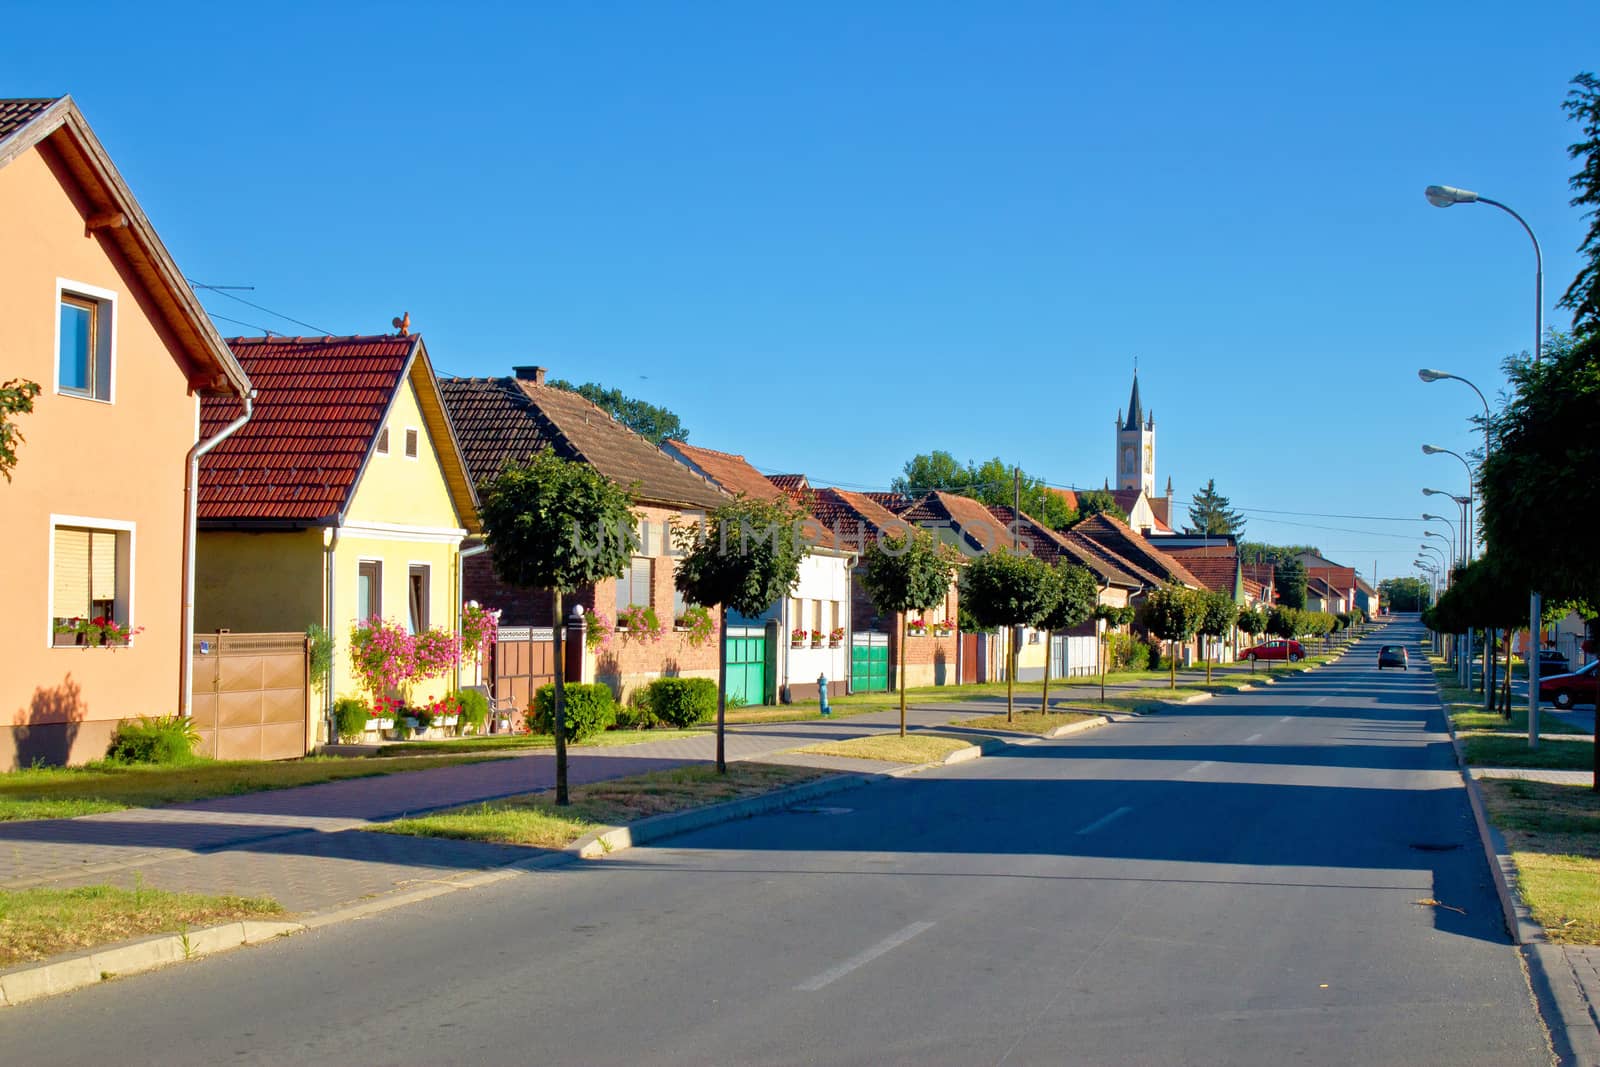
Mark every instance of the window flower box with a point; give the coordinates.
(797, 638)
(381, 724)
(98, 632)
(917, 627)
(836, 637)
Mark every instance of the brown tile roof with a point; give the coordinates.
(511, 418)
(795, 485)
(895, 502)
(1137, 575)
(1050, 546)
(1159, 508)
(733, 472)
(977, 529)
(1068, 497)
(15, 114)
(1217, 567)
(319, 404)
(855, 518)
(1252, 588)
(1342, 579)
(1115, 535)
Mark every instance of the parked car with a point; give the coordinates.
(1582, 686)
(1552, 661)
(1277, 649)
(1392, 656)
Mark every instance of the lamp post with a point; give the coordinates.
(1441, 518)
(1465, 555)
(1472, 500)
(1449, 196)
(1439, 376)
(1450, 558)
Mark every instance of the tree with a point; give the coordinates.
(747, 556)
(538, 520)
(1289, 575)
(1252, 621)
(1100, 502)
(1077, 594)
(1259, 552)
(1172, 613)
(1008, 589)
(657, 424)
(1582, 297)
(1285, 622)
(990, 483)
(16, 398)
(1218, 614)
(906, 572)
(1405, 594)
(1212, 513)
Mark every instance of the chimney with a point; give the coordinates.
(530, 374)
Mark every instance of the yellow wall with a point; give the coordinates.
(396, 557)
(1031, 655)
(121, 461)
(267, 582)
(395, 489)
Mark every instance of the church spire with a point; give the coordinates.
(1135, 409)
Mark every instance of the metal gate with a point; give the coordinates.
(747, 664)
(869, 662)
(250, 696)
(522, 660)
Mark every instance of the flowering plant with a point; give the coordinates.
(700, 623)
(798, 636)
(944, 626)
(836, 634)
(386, 658)
(597, 630)
(479, 625)
(100, 630)
(386, 708)
(640, 622)
(917, 625)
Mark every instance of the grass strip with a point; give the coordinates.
(514, 742)
(1553, 832)
(64, 792)
(1556, 753)
(36, 924)
(891, 748)
(1028, 722)
(534, 819)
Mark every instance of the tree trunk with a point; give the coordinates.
(1011, 669)
(558, 717)
(722, 688)
(1044, 699)
(1508, 674)
(900, 678)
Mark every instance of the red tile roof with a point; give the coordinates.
(978, 529)
(894, 502)
(1050, 546)
(1068, 497)
(319, 404)
(733, 472)
(795, 485)
(15, 114)
(1137, 575)
(1217, 566)
(496, 419)
(853, 516)
(1115, 535)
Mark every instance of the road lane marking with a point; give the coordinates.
(1103, 820)
(860, 959)
(1252, 737)
(1202, 765)
(1286, 718)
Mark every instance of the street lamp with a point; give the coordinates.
(1451, 557)
(1447, 196)
(1439, 376)
(1435, 450)
(1464, 556)
(1447, 522)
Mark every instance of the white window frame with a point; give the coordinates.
(120, 526)
(106, 339)
(356, 593)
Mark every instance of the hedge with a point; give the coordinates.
(587, 710)
(683, 702)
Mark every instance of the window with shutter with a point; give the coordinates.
(90, 577)
(633, 588)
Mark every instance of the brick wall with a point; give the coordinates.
(930, 660)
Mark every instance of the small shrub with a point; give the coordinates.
(588, 710)
(350, 718)
(683, 702)
(159, 739)
(636, 713)
(474, 709)
(1154, 659)
(736, 700)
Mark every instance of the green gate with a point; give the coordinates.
(869, 663)
(747, 664)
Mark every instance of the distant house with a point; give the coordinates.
(820, 604)
(1366, 598)
(1143, 555)
(512, 418)
(1214, 559)
(344, 498)
(97, 515)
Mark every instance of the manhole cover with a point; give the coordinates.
(1433, 846)
(822, 811)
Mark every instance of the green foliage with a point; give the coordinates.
(16, 398)
(1099, 502)
(553, 523)
(748, 557)
(656, 424)
(1125, 652)
(636, 713)
(1252, 621)
(159, 739)
(321, 645)
(907, 572)
(587, 710)
(1077, 595)
(1005, 588)
(1483, 595)
(1172, 612)
(350, 718)
(1405, 594)
(989, 483)
(1289, 576)
(682, 702)
(1115, 616)
(1218, 614)
(474, 709)
(1284, 622)
(1258, 552)
(1212, 513)
(1582, 297)
(1152, 656)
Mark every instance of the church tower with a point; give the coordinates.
(1136, 446)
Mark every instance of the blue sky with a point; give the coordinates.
(831, 235)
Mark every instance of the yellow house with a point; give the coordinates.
(343, 499)
(94, 521)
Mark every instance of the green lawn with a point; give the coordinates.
(1554, 835)
(514, 742)
(1028, 722)
(1490, 739)
(38, 923)
(892, 748)
(535, 820)
(63, 792)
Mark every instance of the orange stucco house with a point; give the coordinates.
(97, 517)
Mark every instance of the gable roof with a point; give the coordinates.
(114, 217)
(1340, 578)
(320, 404)
(496, 419)
(1116, 536)
(893, 502)
(976, 527)
(795, 485)
(1217, 566)
(733, 472)
(852, 518)
(1051, 545)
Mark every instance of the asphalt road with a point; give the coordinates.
(1278, 877)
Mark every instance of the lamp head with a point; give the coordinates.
(1428, 450)
(1462, 500)
(1432, 375)
(1435, 518)
(1447, 195)
(1434, 492)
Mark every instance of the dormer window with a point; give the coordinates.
(84, 328)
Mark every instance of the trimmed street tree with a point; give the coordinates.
(1077, 594)
(1212, 513)
(1284, 623)
(1218, 614)
(905, 572)
(1008, 589)
(1172, 613)
(745, 557)
(1117, 617)
(1251, 621)
(561, 525)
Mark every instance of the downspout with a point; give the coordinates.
(190, 517)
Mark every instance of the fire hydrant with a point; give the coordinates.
(822, 694)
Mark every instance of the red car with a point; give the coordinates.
(1582, 686)
(1289, 650)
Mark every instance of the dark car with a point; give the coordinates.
(1552, 662)
(1289, 650)
(1392, 656)
(1582, 686)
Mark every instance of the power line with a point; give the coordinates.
(222, 290)
(240, 322)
